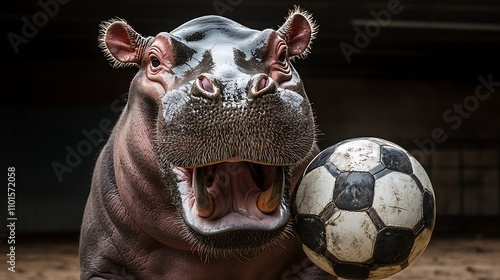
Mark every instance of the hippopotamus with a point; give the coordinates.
(196, 178)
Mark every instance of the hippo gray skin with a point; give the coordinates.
(195, 181)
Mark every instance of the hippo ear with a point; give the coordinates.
(121, 44)
(298, 31)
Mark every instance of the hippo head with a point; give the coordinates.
(231, 123)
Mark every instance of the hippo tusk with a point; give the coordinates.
(205, 206)
(269, 200)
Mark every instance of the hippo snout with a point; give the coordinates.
(206, 124)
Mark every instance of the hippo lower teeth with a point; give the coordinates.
(204, 202)
(270, 199)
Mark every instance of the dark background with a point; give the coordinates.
(58, 89)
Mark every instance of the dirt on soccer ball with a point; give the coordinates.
(445, 258)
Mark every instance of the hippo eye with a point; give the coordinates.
(155, 61)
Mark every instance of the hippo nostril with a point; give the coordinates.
(259, 85)
(264, 81)
(205, 86)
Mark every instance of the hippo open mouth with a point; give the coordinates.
(227, 199)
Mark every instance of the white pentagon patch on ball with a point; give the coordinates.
(364, 209)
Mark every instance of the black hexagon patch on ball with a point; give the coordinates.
(311, 231)
(395, 159)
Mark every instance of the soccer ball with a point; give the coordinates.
(364, 209)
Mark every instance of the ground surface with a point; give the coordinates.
(445, 258)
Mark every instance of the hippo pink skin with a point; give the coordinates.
(196, 178)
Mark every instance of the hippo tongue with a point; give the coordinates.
(237, 187)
